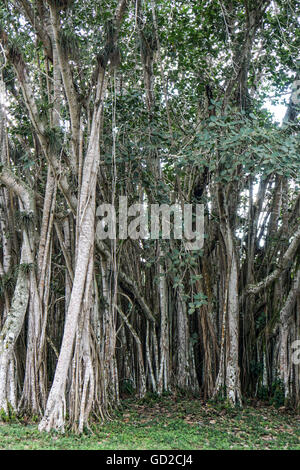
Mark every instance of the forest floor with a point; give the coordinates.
(169, 423)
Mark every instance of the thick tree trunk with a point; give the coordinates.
(232, 370)
(186, 378)
(11, 330)
(285, 314)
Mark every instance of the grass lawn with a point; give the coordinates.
(168, 424)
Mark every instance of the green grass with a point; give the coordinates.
(170, 423)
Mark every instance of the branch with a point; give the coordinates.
(135, 291)
(120, 12)
(25, 193)
(129, 283)
(287, 257)
(67, 78)
(291, 300)
(26, 8)
(15, 58)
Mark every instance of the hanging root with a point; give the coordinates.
(54, 418)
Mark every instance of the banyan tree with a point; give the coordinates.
(110, 104)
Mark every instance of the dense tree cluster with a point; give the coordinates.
(160, 101)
